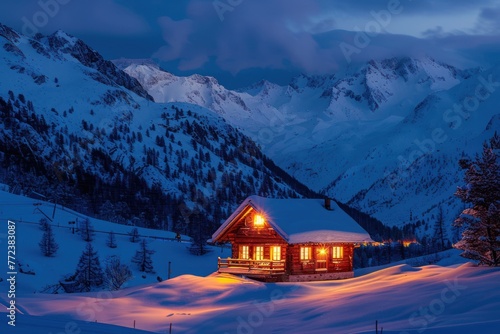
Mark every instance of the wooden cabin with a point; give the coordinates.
(290, 240)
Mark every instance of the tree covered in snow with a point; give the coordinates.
(88, 271)
(481, 220)
(111, 240)
(48, 244)
(143, 257)
(116, 273)
(86, 230)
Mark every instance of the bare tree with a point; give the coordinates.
(116, 273)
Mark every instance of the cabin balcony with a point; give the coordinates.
(251, 267)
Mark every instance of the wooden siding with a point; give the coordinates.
(243, 233)
(295, 266)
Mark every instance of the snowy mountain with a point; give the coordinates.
(79, 131)
(382, 137)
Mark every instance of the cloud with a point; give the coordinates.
(253, 34)
(489, 20)
(74, 16)
(411, 7)
(236, 37)
(299, 35)
(101, 16)
(434, 32)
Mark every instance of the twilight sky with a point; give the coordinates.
(243, 41)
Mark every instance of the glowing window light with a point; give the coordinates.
(305, 253)
(258, 253)
(322, 251)
(275, 253)
(244, 252)
(337, 252)
(258, 220)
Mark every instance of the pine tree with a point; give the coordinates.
(48, 245)
(86, 230)
(481, 221)
(199, 240)
(116, 273)
(88, 271)
(143, 258)
(111, 240)
(43, 224)
(134, 235)
(440, 231)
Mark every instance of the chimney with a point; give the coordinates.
(328, 205)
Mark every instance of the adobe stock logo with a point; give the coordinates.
(48, 10)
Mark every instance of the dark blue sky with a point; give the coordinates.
(243, 41)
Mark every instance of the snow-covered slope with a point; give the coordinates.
(369, 136)
(41, 271)
(77, 129)
(450, 297)
(403, 299)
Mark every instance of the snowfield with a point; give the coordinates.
(451, 297)
(430, 299)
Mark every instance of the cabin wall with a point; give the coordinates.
(250, 236)
(296, 266)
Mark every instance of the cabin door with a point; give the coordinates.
(321, 256)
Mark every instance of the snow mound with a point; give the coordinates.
(397, 270)
(433, 299)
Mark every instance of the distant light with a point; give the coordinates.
(322, 251)
(258, 220)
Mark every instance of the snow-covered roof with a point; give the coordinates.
(302, 220)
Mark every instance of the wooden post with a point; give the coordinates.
(54, 212)
(376, 326)
(170, 331)
(134, 324)
(328, 204)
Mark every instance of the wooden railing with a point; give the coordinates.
(248, 266)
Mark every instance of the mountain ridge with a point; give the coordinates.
(343, 134)
(78, 130)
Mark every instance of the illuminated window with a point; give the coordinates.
(244, 252)
(258, 221)
(305, 253)
(337, 252)
(258, 253)
(276, 253)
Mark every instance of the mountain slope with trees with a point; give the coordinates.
(77, 131)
